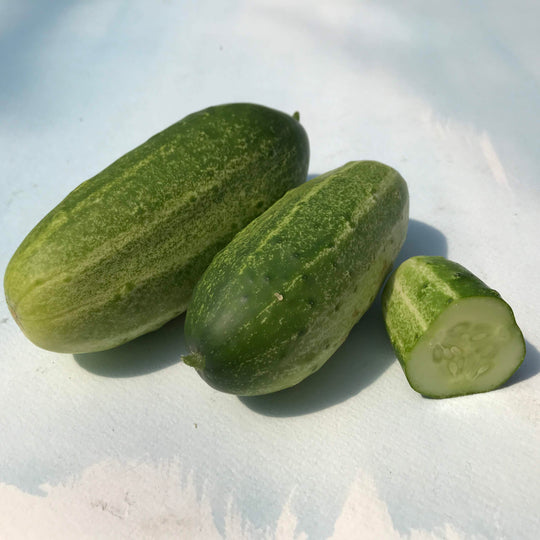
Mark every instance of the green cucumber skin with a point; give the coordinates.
(278, 301)
(121, 254)
(430, 284)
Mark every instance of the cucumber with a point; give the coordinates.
(452, 334)
(277, 302)
(120, 255)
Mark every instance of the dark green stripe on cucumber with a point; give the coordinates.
(277, 302)
(452, 334)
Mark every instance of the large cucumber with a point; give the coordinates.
(452, 334)
(277, 302)
(120, 255)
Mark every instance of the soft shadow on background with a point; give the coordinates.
(422, 239)
(364, 356)
(146, 354)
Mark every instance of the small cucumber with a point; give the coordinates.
(120, 255)
(277, 302)
(452, 334)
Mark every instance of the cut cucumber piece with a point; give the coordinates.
(452, 334)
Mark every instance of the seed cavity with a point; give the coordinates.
(469, 347)
(481, 370)
(437, 354)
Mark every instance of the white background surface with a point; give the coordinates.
(130, 442)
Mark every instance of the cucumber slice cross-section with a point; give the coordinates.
(452, 334)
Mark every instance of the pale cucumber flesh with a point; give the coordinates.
(473, 346)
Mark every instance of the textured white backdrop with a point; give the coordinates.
(131, 443)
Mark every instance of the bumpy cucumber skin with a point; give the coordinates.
(277, 302)
(120, 255)
(430, 295)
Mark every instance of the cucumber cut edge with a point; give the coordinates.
(473, 346)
